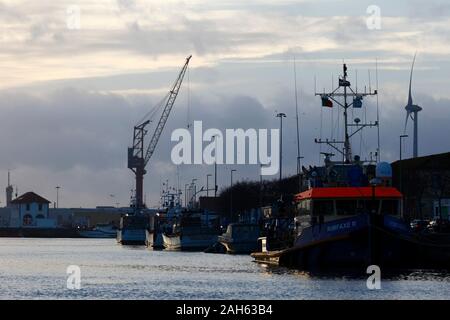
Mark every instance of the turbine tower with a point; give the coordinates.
(412, 111)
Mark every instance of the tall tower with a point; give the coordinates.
(9, 191)
(412, 111)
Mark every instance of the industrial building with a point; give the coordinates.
(425, 184)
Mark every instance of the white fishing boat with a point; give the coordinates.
(194, 231)
(99, 231)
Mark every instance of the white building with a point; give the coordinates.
(31, 211)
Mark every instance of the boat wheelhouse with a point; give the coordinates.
(319, 205)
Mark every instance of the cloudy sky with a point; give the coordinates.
(72, 87)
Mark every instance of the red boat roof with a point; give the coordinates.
(349, 192)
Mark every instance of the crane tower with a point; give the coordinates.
(138, 157)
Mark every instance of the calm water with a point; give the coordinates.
(36, 269)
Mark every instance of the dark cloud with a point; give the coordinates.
(76, 132)
(69, 130)
(64, 129)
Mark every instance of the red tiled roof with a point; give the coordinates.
(29, 197)
(349, 192)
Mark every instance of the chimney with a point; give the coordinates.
(9, 192)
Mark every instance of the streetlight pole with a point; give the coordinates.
(113, 197)
(231, 195)
(281, 116)
(185, 194)
(400, 165)
(402, 137)
(260, 187)
(215, 167)
(194, 190)
(207, 185)
(57, 196)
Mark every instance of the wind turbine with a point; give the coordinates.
(412, 111)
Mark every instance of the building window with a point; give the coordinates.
(40, 216)
(28, 207)
(40, 206)
(27, 220)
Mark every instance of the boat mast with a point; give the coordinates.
(299, 157)
(347, 146)
(357, 98)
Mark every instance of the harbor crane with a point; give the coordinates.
(138, 157)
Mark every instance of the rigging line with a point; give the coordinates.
(148, 114)
(321, 125)
(365, 148)
(332, 116)
(353, 120)
(297, 117)
(188, 97)
(315, 84)
(360, 142)
(356, 81)
(154, 110)
(378, 111)
(365, 115)
(338, 131)
(178, 180)
(362, 131)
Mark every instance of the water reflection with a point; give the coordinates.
(36, 269)
(393, 275)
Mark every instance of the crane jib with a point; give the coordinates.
(136, 159)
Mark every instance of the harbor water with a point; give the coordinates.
(36, 269)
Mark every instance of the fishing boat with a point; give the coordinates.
(349, 216)
(170, 210)
(194, 230)
(135, 224)
(241, 238)
(353, 228)
(99, 231)
(154, 239)
(132, 230)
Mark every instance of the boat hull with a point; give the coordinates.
(154, 240)
(194, 242)
(238, 246)
(97, 234)
(131, 237)
(358, 242)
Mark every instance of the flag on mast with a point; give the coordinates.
(357, 102)
(326, 102)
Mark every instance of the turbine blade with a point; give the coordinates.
(410, 101)
(406, 121)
